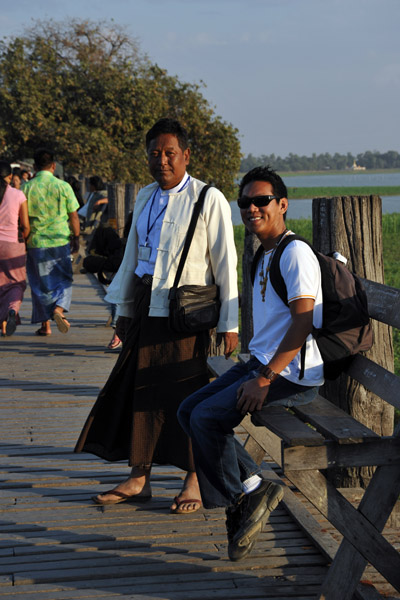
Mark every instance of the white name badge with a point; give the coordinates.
(144, 252)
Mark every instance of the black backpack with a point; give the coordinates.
(346, 328)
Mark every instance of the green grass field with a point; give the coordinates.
(391, 248)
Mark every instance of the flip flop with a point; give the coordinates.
(41, 331)
(61, 322)
(121, 498)
(115, 343)
(179, 501)
(11, 325)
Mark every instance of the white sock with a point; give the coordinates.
(251, 484)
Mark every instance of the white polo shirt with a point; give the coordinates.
(301, 273)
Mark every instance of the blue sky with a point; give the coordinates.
(297, 76)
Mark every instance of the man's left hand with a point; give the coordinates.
(231, 339)
(251, 395)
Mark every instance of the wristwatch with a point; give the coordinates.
(268, 373)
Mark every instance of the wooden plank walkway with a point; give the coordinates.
(56, 544)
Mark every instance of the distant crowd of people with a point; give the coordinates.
(157, 406)
(19, 177)
(39, 232)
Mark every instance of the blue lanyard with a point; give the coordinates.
(150, 227)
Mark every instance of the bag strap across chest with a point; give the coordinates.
(189, 236)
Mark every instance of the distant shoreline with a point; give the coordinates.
(300, 193)
(331, 172)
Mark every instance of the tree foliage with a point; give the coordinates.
(326, 161)
(88, 91)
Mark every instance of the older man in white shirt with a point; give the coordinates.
(135, 415)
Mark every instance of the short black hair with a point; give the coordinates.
(96, 182)
(43, 158)
(5, 168)
(171, 126)
(265, 174)
(5, 171)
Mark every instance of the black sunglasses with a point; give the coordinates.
(258, 201)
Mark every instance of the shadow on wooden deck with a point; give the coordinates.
(56, 544)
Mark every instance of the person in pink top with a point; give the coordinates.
(14, 223)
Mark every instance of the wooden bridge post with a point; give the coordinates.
(352, 225)
(121, 199)
(116, 206)
(131, 192)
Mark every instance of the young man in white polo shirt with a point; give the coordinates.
(273, 375)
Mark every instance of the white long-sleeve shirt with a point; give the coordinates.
(211, 258)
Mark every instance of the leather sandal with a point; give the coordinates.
(179, 501)
(121, 497)
(61, 322)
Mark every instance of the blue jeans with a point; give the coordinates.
(209, 417)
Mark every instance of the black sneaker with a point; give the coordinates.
(255, 509)
(233, 523)
(11, 325)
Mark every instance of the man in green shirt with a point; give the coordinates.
(52, 209)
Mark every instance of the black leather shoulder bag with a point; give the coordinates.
(193, 308)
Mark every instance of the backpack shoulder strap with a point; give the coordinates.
(279, 285)
(275, 275)
(255, 262)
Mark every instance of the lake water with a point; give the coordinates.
(302, 209)
(363, 179)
